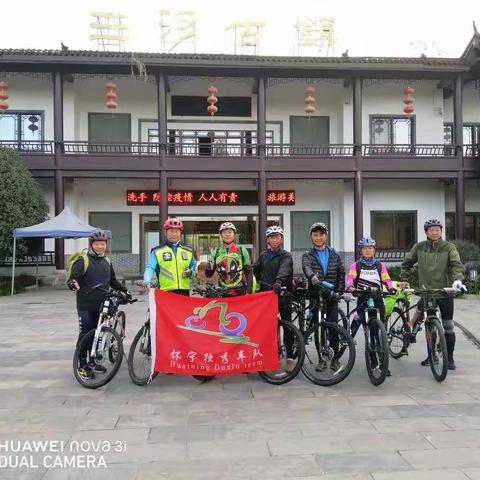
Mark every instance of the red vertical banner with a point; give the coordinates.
(213, 336)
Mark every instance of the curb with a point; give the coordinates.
(475, 340)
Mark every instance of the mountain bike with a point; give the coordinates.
(104, 345)
(376, 340)
(290, 346)
(401, 335)
(329, 348)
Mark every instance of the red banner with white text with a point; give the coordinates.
(213, 336)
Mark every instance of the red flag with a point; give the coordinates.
(213, 336)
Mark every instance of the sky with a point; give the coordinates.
(364, 27)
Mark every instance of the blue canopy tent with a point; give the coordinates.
(65, 225)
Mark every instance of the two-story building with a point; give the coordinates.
(358, 163)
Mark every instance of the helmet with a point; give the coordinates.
(226, 225)
(274, 230)
(366, 242)
(432, 222)
(319, 226)
(173, 223)
(98, 236)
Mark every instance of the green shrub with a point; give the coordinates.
(395, 271)
(21, 281)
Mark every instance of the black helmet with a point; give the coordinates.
(319, 226)
(98, 236)
(432, 222)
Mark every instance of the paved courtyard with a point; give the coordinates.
(234, 427)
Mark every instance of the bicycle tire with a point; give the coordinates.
(279, 377)
(394, 334)
(376, 326)
(309, 360)
(137, 379)
(443, 354)
(119, 327)
(103, 378)
(203, 378)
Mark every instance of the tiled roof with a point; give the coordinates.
(148, 57)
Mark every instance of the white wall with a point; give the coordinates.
(471, 105)
(387, 98)
(426, 197)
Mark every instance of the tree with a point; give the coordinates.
(22, 202)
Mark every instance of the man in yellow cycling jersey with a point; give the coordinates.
(172, 263)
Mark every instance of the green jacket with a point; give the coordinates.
(438, 264)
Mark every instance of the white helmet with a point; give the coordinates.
(226, 225)
(274, 230)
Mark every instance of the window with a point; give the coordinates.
(471, 133)
(119, 223)
(197, 106)
(211, 142)
(450, 226)
(300, 225)
(394, 230)
(22, 128)
(392, 130)
(472, 227)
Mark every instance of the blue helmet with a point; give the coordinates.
(366, 242)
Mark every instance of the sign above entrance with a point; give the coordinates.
(210, 197)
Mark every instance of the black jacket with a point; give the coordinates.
(270, 269)
(99, 271)
(335, 271)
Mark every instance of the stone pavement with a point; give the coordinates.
(238, 427)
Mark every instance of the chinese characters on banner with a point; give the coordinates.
(200, 197)
(220, 336)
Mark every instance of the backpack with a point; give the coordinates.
(74, 257)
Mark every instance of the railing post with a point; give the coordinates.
(58, 149)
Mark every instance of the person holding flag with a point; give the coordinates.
(231, 262)
(172, 263)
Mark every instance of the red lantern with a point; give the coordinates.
(212, 100)
(3, 96)
(408, 100)
(309, 100)
(111, 96)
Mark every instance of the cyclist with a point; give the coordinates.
(275, 267)
(368, 272)
(231, 262)
(439, 266)
(322, 263)
(89, 270)
(172, 263)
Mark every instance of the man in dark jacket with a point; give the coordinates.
(274, 270)
(88, 271)
(439, 266)
(322, 263)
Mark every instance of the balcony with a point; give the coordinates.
(142, 158)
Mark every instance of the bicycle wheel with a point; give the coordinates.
(324, 343)
(140, 357)
(119, 325)
(437, 348)
(108, 337)
(203, 378)
(397, 333)
(376, 351)
(291, 353)
(344, 323)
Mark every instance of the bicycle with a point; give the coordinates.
(400, 332)
(325, 341)
(290, 346)
(140, 357)
(289, 340)
(104, 342)
(376, 340)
